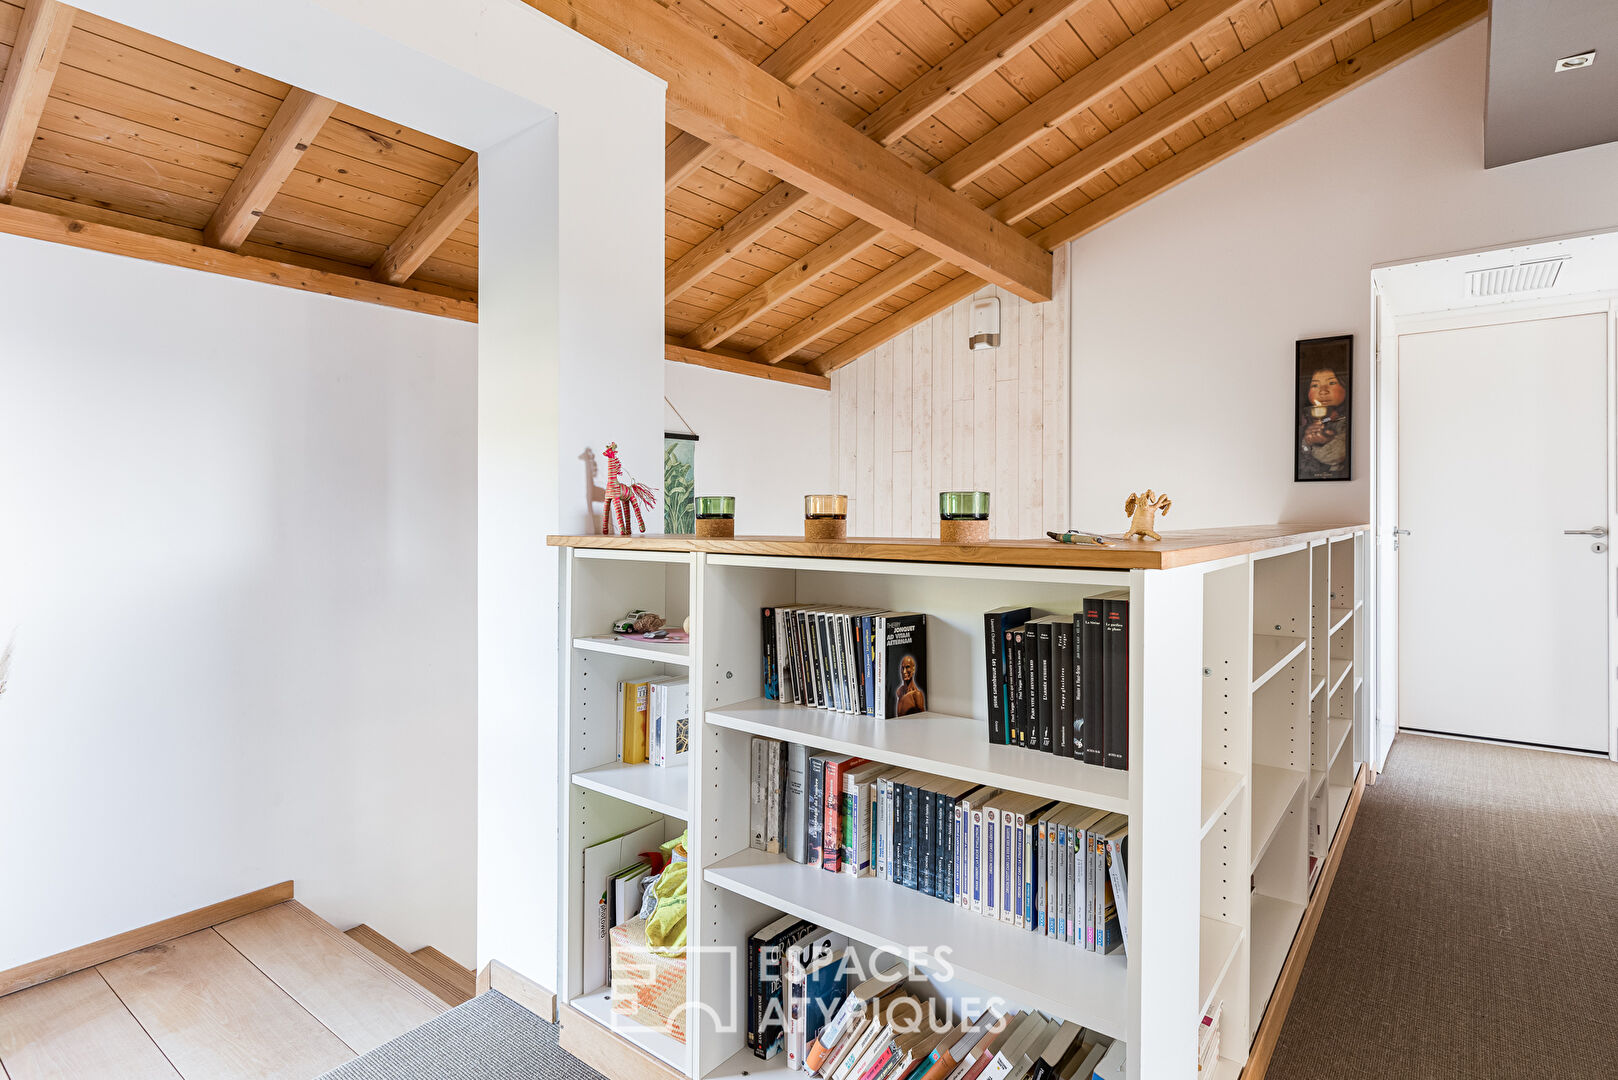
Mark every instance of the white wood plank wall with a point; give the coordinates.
(924, 414)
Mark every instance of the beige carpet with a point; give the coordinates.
(1472, 931)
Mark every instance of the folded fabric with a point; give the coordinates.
(665, 926)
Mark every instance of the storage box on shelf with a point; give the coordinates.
(1232, 812)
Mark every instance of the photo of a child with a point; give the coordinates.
(1324, 422)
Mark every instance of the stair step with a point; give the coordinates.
(441, 987)
(463, 979)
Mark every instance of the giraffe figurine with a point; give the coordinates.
(623, 495)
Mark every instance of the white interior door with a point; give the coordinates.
(1503, 448)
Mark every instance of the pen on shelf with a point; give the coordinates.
(1095, 539)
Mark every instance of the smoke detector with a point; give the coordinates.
(1531, 276)
(1576, 61)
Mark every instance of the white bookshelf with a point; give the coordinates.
(1261, 645)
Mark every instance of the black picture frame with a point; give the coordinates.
(1323, 410)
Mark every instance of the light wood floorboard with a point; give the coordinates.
(76, 1027)
(362, 1000)
(215, 1015)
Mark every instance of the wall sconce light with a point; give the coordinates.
(984, 325)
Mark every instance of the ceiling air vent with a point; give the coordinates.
(1519, 278)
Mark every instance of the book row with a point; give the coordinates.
(889, 1028)
(1059, 684)
(865, 661)
(1047, 867)
(654, 720)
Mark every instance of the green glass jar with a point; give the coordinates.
(716, 506)
(963, 506)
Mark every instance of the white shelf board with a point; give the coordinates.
(597, 1005)
(1227, 1069)
(1319, 686)
(1339, 616)
(1275, 923)
(1219, 788)
(1215, 951)
(745, 1063)
(1317, 777)
(665, 789)
(673, 653)
(1271, 653)
(1029, 969)
(1273, 789)
(1340, 673)
(1339, 803)
(1338, 729)
(954, 746)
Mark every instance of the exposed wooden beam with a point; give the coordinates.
(1284, 46)
(787, 373)
(783, 285)
(682, 157)
(1158, 39)
(800, 56)
(80, 233)
(291, 131)
(35, 54)
(441, 216)
(907, 270)
(735, 235)
(1409, 40)
(717, 95)
(962, 69)
(895, 324)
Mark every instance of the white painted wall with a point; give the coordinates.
(767, 443)
(238, 558)
(923, 414)
(1186, 309)
(569, 338)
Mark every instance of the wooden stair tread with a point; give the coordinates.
(345, 986)
(402, 961)
(463, 979)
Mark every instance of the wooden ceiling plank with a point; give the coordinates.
(847, 306)
(82, 233)
(733, 236)
(799, 57)
(1281, 48)
(962, 69)
(293, 129)
(891, 327)
(784, 285)
(785, 373)
(30, 70)
(1409, 40)
(1111, 70)
(443, 212)
(718, 96)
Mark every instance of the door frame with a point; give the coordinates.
(1386, 329)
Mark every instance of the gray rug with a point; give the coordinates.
(488, 1038)
(1472, 931)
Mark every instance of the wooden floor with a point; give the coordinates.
(276, 994)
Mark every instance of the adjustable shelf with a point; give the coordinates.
(663, 789)
(1271, 655)
(677, 652)
(955, 746)
(1273, 791)
(597, 1005)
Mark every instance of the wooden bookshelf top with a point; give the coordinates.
(1175, 549)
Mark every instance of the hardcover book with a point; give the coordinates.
(1087, 683)
(1115, 679)
(995, 625)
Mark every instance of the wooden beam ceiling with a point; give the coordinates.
(1409, 40)
(799, 57)
(41, 37)
(904, 272)
(734, 236)
(717, 95)
(738, 365)
(291, 132)
(441, 216)
(83, 233)
(894, 325)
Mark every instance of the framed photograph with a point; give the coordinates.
(1324, 424)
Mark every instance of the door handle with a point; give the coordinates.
(1599, 530)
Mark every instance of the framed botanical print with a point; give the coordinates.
(1324, 424)
(679, 483)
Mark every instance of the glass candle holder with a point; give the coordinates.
(825, 517)
(963, 506)
(716, 515)
(963, 517)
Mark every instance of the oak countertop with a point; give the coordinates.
(1175, 549)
